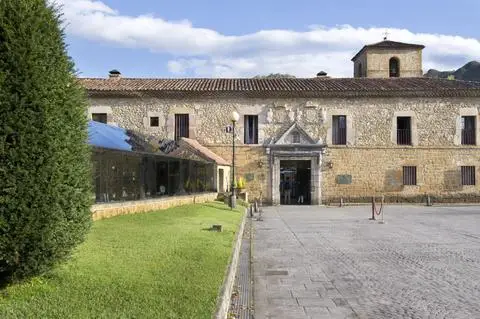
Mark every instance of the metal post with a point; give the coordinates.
(373, 208)
(383, 210)
(233, 200)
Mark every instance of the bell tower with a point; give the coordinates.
(388, 59)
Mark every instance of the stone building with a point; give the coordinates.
(387, 130)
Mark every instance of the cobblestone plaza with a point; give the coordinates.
(318, 262)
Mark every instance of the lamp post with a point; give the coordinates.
(233, 200)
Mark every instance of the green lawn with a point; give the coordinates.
(155, 265)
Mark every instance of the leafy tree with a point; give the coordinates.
(45, 177)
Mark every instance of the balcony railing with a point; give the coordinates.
(404, 137)
(339, 136)
(468, 137)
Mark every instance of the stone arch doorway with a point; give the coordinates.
(296, 158)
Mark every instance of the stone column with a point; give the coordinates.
(275, 173)
(315, 183)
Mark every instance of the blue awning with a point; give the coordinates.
(107, 136)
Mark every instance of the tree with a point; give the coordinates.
(45, 175)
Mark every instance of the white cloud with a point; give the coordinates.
(206, 52)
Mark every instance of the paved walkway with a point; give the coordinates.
(317, 262)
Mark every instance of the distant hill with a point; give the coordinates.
(275, 76)
(468, 72)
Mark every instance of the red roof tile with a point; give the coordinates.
(202, 151)
(387, 44)
(296, 87)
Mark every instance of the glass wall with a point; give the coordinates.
(122, 176)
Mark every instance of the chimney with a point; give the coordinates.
(322, 75)
(114, 74)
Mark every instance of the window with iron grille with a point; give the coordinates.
(251, 129)
(404, 130)
(99, 117)
(468, 130)
(468, 175)
(409, 175)
(339, 130)
(154, 121)
(181, 126)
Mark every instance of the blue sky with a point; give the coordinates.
(147, 38)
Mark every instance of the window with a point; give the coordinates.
(181, 126)
(339, 130)
(251, 129)
(154, 121)
(295, 138)
(404, 130)
(394, 68)
(99, 117)
(360, 70)
(409, 175)
(468, 175)
(468, 130)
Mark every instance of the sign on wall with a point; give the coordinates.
(344, 179)
(249, 177)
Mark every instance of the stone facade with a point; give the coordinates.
(371, 158)
(377, 63)
(373, 61)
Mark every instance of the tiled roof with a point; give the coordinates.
(202, 151)
(296, 87)
(387, 44)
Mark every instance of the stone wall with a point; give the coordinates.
(108, 210)
(251, 162)
(371, 137)
(372, 119)
(360, 67)
(379, 171)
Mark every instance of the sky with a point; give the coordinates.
(225, 38)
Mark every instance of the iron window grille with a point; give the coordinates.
(468, 130)
(251, 129)
(181, 126)
(468, 175)
(404, 130)
(409, 175)
(339, 130)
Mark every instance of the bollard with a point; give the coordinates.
(373, 208)
(341, 201)
(429, 201)
(383, 212)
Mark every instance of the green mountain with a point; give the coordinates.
(468, 72)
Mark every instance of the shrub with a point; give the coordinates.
(45, 182)
(240, 183)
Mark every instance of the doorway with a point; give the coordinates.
(221, 181)
(295, 182)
